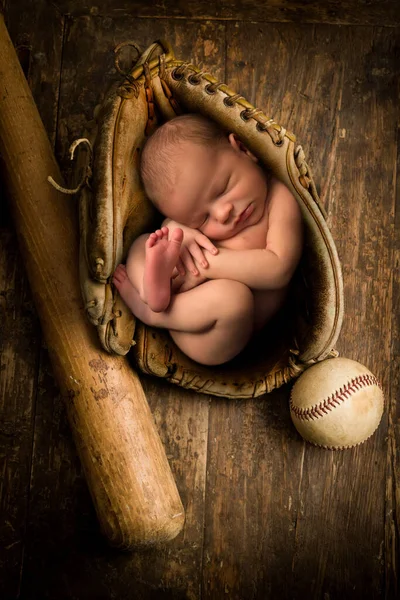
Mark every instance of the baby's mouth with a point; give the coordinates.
(245, 214)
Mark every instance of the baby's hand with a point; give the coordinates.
(192, 248)
(186, 282)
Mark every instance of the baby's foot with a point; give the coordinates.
(162, 256)
(131, 296)
(124, 285)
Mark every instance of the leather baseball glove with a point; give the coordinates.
(114, 210)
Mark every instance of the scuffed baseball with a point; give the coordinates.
(337, 403)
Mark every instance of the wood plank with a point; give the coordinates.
(60, 508)
(254, 462)
(392, 513)
(341, 535)
(19, 353)
(36, 30)
(59, 494)
(282, 519)
(20, 346)
(251, 501)
(322, 82)
(344, 12)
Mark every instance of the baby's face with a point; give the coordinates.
(220, 191)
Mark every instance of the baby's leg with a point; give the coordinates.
(211, 323)
(224, 313)
(150, 263)
(135, 263)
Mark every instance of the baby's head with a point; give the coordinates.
(202, 177)
(165, 151)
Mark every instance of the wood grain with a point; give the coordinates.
(268, 516)
(21, 336)
(182, 417)
(392, 512)
(362, 12)
(19, 351)
(303, 78)
(37, 33)
(127, 471)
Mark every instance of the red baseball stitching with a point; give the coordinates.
(308, 414)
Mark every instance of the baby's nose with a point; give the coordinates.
(223, 212)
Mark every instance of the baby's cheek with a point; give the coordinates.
(213, 232)
(207, 230)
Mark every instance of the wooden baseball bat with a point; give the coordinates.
(128, 474)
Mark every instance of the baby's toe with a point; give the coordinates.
(151, 240)
(177, 235)
(119, 274)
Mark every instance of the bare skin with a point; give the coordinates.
(213, 331)
(219, 267)
(162, 256)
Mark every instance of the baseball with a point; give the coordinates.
(337, 403)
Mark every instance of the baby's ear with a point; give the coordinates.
(240, 147)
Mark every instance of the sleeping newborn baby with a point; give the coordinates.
(220, 265)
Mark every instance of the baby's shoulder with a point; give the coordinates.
(281, 201)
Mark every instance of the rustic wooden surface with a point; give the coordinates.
(364, 12)
(268, 516)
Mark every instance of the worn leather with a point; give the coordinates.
(115, 210)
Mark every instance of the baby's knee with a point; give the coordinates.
(235, 298)
(138, 247)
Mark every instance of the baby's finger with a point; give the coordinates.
(188, 261)
(198, 254)
(207, 244)
(180, 267)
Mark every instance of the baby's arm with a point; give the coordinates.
(194, 242)
(272, 267)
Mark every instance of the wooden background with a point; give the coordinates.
(268, 516)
